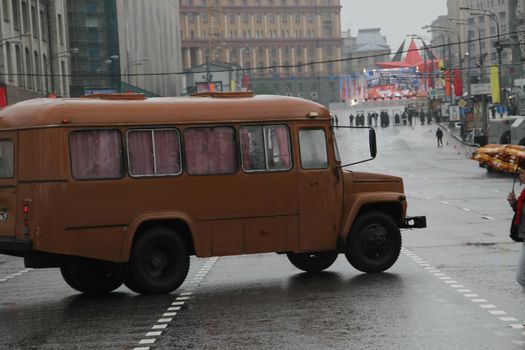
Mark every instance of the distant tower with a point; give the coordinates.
(215, 29)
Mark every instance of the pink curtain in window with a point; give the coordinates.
(140, 153)
(167, 152)
(281, 134)
(96, 154)
(210, 151)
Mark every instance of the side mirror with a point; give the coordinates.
(373, 144)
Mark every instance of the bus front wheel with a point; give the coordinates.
(312, 262)
(374, 242)
(92, 277)
(159, 262)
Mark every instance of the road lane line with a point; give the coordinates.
(467, 293)
(15, 274)
(167, 316)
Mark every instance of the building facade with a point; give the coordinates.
(368, 48)
(478, 34)
(93, 39)
(276, 41)
(149, 37)
(34, 58)
(125, 46)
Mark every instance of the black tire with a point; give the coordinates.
(92, 277)
(159, 262)
(313, 261)
(374, 243)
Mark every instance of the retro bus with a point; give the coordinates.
(121, 189)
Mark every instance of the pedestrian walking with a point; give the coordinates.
(439, 136)
(351, 119)
(518, 223)
(336, 122)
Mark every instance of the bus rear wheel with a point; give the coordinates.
(312, 261)
(159, 262)
(374, 242)
(92, 277)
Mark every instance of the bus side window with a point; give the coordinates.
(6, 160)
(96, 154)
(312, 145)
(210, 150)
(265, 148)
(154, 152)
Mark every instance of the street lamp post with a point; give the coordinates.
(475, 25)
(449, 30)
(499, 47)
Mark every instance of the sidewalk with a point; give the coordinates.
(455, 132)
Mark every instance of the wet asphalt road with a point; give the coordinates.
(453, 286)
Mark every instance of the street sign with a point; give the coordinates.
(462, 103)
(480, 89)
(519, 82)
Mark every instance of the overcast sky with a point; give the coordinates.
(395, 18)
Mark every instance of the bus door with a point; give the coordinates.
(320, 191)
(8, 183)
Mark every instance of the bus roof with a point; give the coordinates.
(45, 112)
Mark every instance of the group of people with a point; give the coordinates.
(405, 118)
(360, 119)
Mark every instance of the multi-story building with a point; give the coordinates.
(149, 37)
(125, 45)
(276, 41)
(493, 18)
(93, 38)
(33, 49)
(368, 48)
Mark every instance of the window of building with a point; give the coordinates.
(25, 17)
(265, 148)
(34, 20)
(245, 18)
(271, 18)
(16, 14)
(312, 146)
(284, 18)
(7, 159)
(37, 71)
(258, 18)
(191, 17)
(43, 24)
(96, 154)
(210, 151)
(60, 29)
(297, 18)
(28, 69)
(19, 65)
(10, 75)
(154, 152)
(5, 9)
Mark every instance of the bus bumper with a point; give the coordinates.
(15, 246)
(414, 222)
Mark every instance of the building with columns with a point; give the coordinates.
(34, 59)
(275, 41)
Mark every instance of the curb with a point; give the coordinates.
(457, 137)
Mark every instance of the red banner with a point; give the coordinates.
(458, 83)
(3, 96)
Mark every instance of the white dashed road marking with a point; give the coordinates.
(467, 293)
(171, 312)
(13, 275)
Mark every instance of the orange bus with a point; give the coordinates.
(117, 189)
